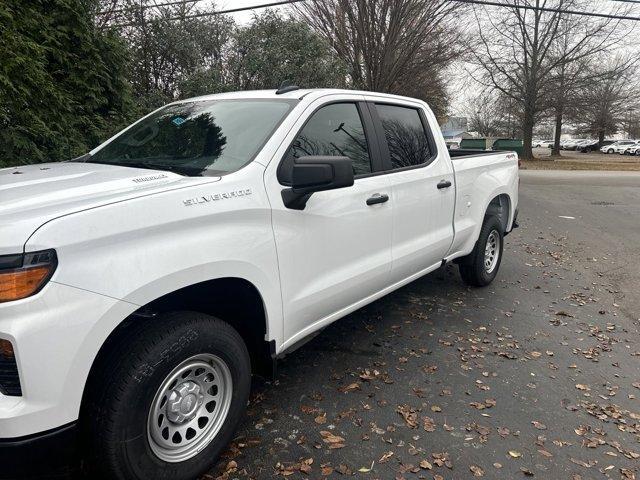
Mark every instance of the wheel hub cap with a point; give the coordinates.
(184, 401)
(189, 408)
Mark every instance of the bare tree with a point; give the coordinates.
(569, 79)
(631, 122)
(518, 50)
(492, 114)
(608, 103)
(484, 116)
(395, 46)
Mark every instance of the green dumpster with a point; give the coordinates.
(510, 144)
(474, 144)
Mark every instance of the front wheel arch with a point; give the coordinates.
(114, 425)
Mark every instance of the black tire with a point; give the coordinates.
(472, 267)
(117, 410)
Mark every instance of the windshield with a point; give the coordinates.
(197, 138)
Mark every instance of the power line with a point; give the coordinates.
(145, 7)
(220, 12)
(476, 2)
(255, 7)
(552, 10)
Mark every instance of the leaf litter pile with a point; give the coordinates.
(537, 376)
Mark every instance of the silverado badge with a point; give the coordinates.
(214, 197)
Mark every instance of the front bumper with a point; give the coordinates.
(49, 454)
(56, 335)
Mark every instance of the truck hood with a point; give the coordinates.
(35, 194)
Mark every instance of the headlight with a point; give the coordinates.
(24, 275)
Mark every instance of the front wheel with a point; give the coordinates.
(610, 151)
(481, 266)
(168, 399)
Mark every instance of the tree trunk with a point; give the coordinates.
(600, 137)
(555, 151)
(527, 136)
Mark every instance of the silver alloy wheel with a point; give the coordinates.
(492, 251)
(189, 408)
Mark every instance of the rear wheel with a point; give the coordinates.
(169, 399)
(481, 266)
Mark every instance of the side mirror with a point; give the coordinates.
(316, 174)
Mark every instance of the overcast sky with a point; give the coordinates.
(243, 17)
(460, 85)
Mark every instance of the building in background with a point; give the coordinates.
(455, 129)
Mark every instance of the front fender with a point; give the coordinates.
(139, 250)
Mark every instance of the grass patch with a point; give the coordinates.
(579, 165)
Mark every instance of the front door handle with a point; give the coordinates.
(444, 184)
(377, 198)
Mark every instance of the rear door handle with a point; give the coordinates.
(377, 198)
(444, 184)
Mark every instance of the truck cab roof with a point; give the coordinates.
(298, 94)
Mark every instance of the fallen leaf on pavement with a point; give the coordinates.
(588, 464)
(476, 470)
(409, 414)
(428, 424)
(334, 441)
(385, 458)
(350, 388)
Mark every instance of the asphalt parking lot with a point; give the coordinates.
(536, 376)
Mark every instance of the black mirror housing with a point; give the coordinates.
(316, 174)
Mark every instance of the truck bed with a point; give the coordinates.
(460, 153)
(479, 175)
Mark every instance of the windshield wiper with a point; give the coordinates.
(81, 158)
(180, 170)
(155, 166)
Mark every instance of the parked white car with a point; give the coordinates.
(630, 149)
(541, 143)
(142, 284)
(635, 150)
(618, 146)
(576, 143)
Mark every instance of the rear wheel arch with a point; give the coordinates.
(500, 207)
(480, 267)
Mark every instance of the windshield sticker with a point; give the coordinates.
(178, 121)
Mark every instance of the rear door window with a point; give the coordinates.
(406, 136)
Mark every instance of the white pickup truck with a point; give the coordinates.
(142, 284)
